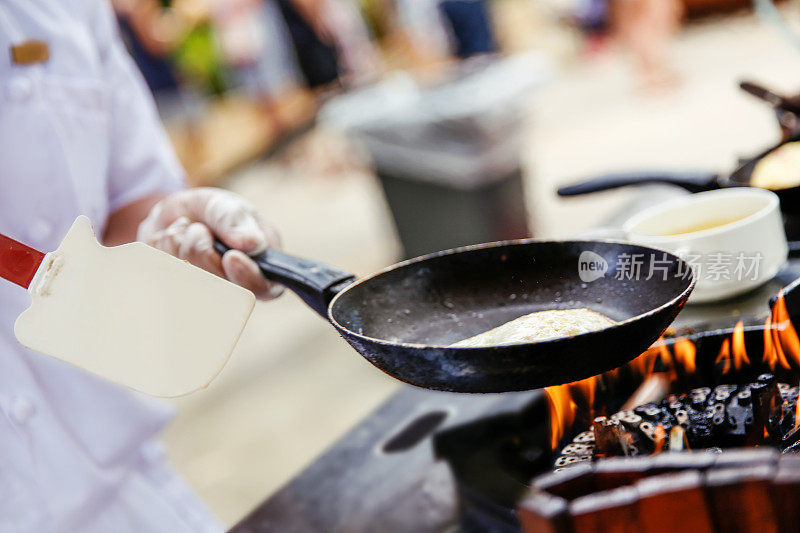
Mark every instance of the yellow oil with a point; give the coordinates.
(711, 224)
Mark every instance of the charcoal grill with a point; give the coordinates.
(727, 416)
(495, 459)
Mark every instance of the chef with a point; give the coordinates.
(79, 135)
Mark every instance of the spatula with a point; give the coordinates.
(131, 313)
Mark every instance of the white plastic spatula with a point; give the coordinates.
(131, 313)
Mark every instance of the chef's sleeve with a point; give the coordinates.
(142, 161)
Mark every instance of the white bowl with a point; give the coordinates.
(733, 238)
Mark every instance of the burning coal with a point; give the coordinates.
(712, 406)
(727, 416)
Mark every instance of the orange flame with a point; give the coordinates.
(724, 356)
(686, 354)
(562, 412)
(780, 337)
(683, 354)
(666, 358)
(587, 387)
(661, 349)
(643, 365)
(739, 352)
(563, 401)
(773, 353)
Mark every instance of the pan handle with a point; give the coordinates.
(775, 100)
(315, 283)
(691, 181)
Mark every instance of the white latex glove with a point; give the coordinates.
(184, 224)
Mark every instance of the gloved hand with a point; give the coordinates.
(184, 224)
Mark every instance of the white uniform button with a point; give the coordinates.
(41, 229)
(20, 88)
(21, 409)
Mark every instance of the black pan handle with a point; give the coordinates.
(691, 181)
(771, 97)
(316, 283)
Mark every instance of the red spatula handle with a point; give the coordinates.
(18, 263)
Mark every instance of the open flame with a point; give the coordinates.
(577, 400)
(734, 347)
(562, 412)
(739, 352)
(780, 337)
(686, 354)
(588, 387)
(724, 357)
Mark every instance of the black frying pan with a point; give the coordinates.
(403, 319)
(691, 181)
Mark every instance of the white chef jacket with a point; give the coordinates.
(78, 135)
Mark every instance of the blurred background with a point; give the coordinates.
(372, 130)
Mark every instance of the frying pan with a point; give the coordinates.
(691, 181)
(403, 319)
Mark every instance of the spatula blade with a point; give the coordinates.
(133, 314)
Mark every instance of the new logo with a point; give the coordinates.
(591, 266)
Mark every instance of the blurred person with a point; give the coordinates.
(316, 53)
(442, 29)
(177, 31)
(591, 17)
(256, 47)
(275, 46)
(422, 22)
(470, 27)
(331, 43)
(79, 134)
(361, 62)
(641, 27)
(272, 43)
(645, 27)
(156, 35)
(137, 21)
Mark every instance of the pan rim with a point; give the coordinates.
(683, 295)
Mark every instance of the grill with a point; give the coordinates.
(727, 416)
(725, 399)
